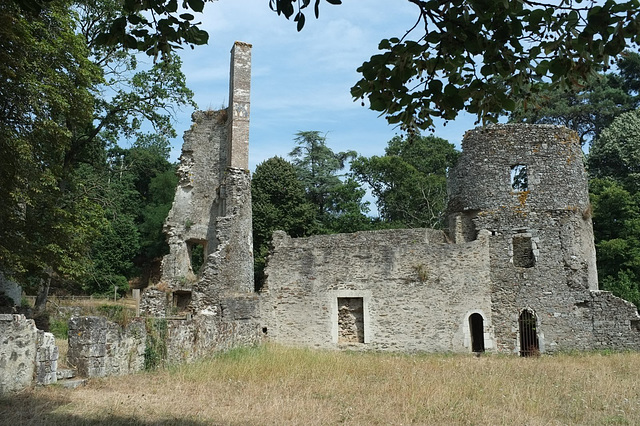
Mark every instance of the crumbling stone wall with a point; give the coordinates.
(98, 347)
(555, 276)
(27, 355)
(416, 290)
(204, 334)
(519, 252)
(212, 207)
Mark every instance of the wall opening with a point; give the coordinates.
(181, 300)
(523, 255)
(197, 249)
(350, 320)
(476, 327)
(519, 179)
(529, 344)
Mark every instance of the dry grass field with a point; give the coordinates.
(273, 385)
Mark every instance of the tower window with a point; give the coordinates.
(519, 180)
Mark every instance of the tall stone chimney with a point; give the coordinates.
(239, 106)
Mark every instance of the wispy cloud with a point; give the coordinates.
(300, 81)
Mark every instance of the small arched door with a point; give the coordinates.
(529, 344)
(476, 327)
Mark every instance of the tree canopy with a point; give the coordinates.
(279, 203)
(478, 56)
(484, 56)
(615, 196)
(409, 181)
(593, 107)
(70, 197)
(336, 197)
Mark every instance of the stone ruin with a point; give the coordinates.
(514, 272)
(27, 355)
(211, 212)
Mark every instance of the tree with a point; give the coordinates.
(615, 197)
(409, 181)
(484, 56)
(337, 202)
(616, 229)
(45, 224)
(591, 109)
(616, 153)
(279, 203)
(63, 102)
(466, 55)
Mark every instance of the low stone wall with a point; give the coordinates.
(98, 347)
(188, 340)
(27, 355)
(616, 323)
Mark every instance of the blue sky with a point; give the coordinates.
(300, 81)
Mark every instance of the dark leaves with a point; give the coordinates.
(287, 8)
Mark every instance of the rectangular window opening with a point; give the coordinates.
(197, 249)
(519, 179)
(350, 320)
(523, 255)
(181, 300)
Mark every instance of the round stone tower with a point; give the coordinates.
(527, 187)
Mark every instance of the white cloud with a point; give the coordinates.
(300, 81)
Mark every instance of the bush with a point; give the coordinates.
(59, 328)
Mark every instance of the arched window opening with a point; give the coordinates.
(529, 344)
(476, 327)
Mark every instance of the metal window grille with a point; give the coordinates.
(529, 345)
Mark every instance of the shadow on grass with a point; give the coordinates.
(29, 408)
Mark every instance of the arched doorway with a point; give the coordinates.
(476, 327)
(529, 345)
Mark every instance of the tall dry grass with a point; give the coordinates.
(276, 385)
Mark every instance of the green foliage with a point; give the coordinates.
(197, 257)
(462, 55)
(338, 203)
(624, 285)
(616, 226)
(161, 191)
(46, 91)
(59, 328)
(409, 181)
(279, 203)
(482, 56)
(613, 162)
(70, 199)
(116, 313)
(616, 153)
(155, 351)
(591, 108)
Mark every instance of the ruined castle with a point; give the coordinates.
(514, 273)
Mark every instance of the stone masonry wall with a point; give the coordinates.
(99, 348)
(197, 197)
(551, 215)
(417, 291)
(27, 355)
(212, 206)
